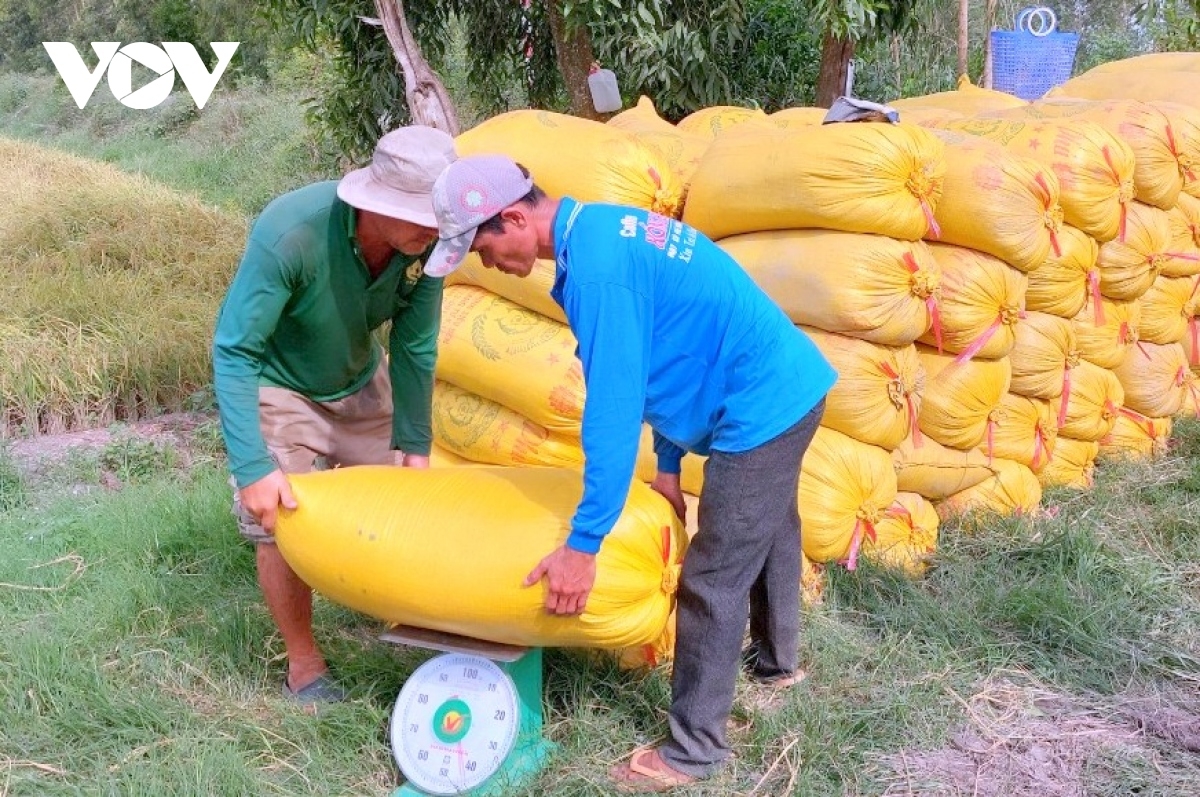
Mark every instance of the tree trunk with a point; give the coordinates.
(989, 24)
(835, 69)
(573, 51)
(964, 35)
(428, 102)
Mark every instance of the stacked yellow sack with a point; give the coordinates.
(1094, 167)
(1151, 62)
(1147, 86)
(1129, 266)
(1185, 124)
(1157, 175)
(875, 178)
(1106, 330)
(1184, 220)
(403, 546)
(1021, 430)
(1154, 378)
(798, 117)
(926, 467)
(998, 203)
(1093, 399)
(969, 100)
(1014, 490)
(1044, 349)
(475, 429)
(982, 299)
(866, 286)
(959, 396)
(906, 536)
(1073, 464)
(1060, 285)
(680, 149)
(1167, 309)
(591, 161)
(531, 292)
(717, 120)
(1135, 436)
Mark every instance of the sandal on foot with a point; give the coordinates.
(321, 689)
(645, 771)
(782, 680)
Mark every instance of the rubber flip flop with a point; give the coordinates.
(322, 689)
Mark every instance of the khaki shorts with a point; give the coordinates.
(304, 435)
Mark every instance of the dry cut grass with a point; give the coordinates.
(112, 283)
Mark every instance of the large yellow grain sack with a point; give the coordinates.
(441, 457)
(449, 548)
(1151, 62)
(1129, 267)
(1147, 86)
(878, 392)
(1184, 254)
(1094, 167)
(1135, 436)
(1106, 330)
(1072, 465)
(866, 286)
(479, 430)
(1185, 124)
(585, 159)
(1045, 347)
(872, 178)
(513, 356)
(969, 100)
(797, 117)
(1167, 309)
(982, 300)
(935, 471)
(959, 396)
(845, 488)
(1093, 400)
(1014, 490)
(998, 203)
(1154, 378)
(1022, 430)
(681, 150)
(1157, 176)
(1060, 285)
(718, 120)
(1191, 405)
(691, 477)
(906, 537)
(531, 292)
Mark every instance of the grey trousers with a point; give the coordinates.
(746, 552)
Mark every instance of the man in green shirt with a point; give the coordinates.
(300, 380)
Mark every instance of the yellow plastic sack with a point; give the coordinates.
(1136, 436)
(441, 457)
(1022, 430)
(1147, 86)
(845, 488)
(1183, 257)
(480, 430)
(878, 392)
(1191, 343)
(798, 117)
(531, 292)
(969, 100)
(448, 548)
(1154, 378)
(1045, 348)
(906, 537)
(981, 303)
(1191, 406)
(1129, 267)
(865, 286)
(872, 178)
(585, 159)
(1106, 330)
(959, 396)
(1157, 176)
(1061, 284)
(1072, 465)
(1014, 490)
(717, 120)
(998, 203)
(1094, 167)
(1151, 62)
(1185, 124)
(512, 356)
(1167, 309)
(691, 477)
(681, 150)
(1092, 399)
(936, 472)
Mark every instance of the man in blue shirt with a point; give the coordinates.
(672, 332)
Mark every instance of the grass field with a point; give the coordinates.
(1062, 651)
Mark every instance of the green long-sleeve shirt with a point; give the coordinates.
(300, 313)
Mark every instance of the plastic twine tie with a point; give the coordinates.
(925, 286)
(1124, 193)
(921, 185)
(1093, 281)
(895, 391)
(1052, 216)
(1066, 396)
(1039, 447)
(991, 436)
(864, 524)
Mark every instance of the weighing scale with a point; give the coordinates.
(468, 721)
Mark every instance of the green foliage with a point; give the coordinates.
(13, 492)
(777, 61)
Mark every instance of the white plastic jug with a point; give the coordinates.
(602, 83)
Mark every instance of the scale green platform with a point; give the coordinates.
(470, 720)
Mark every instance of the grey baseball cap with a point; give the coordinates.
(852, 109)
(470, 191)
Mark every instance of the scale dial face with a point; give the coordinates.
(454, 723)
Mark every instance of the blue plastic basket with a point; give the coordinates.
(1029, 66)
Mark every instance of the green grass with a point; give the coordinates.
(138, 658)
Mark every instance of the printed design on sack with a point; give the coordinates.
(674, 237)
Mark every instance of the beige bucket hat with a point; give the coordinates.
(399, 180)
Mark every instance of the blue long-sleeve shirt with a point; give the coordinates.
(672, 332)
